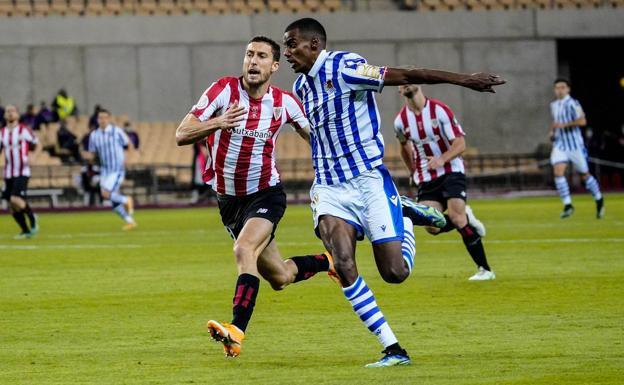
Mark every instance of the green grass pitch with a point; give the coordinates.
(85, 303)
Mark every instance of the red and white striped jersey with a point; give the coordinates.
(432, 132)
(16, 142)
(241, 161)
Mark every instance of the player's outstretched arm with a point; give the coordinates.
(479, 81)
(304, 133)
(191, 129)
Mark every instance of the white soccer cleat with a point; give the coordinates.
(483, 275)
(477, 224)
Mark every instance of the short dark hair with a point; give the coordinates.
(104, 110)
(309, 26)
(275, 48)
(562, 80)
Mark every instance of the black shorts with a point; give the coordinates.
(269, 204)
(442, 189)
(15, 187)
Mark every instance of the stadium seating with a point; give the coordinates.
(42, 8)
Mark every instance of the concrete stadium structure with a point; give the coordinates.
(154, 68)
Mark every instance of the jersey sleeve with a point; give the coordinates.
(211, 101)
(123, 137)
(576, 111)
(449, 124)
(91, 147)
(294, 112)
(399, 129)
(29, 136)
(361, 76)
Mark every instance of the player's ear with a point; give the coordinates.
(274, 67)
(315, 43)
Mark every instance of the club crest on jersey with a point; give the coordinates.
(254, 112)
(277, 112)
(329, 86)
(435, 123)
(202, 103)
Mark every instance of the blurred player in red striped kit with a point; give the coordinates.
(432, 142)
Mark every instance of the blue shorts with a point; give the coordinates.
(369, 202)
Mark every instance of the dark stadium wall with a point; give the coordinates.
(154, 68)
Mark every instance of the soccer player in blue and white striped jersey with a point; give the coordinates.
(353, 193)
(109, 143)
(568, 147)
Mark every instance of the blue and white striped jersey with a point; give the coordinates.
(109, 144)
(567, 110)
(337, 95)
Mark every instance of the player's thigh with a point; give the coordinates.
(457, 212)
(335, 202)
(578, 158)
(111, 182)
(254, 237)
(559, 160)
(381, 207)
(390, 262)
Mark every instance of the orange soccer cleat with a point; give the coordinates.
(332, 271)
(229, 335)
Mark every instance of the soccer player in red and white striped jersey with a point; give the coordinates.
(16, 140)
(241, 118)
(431, 145)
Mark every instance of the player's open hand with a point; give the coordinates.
(232, 117)
(434, 162)
(483, 82)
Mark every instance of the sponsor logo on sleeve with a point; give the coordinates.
(369, 71)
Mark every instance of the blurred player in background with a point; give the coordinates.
(109, 142)
(431, 145)
(568, 147)
(241, 118)
(17, 140)
(353, 193)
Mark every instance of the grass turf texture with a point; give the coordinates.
(84, 303)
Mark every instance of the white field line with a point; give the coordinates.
(64, 247)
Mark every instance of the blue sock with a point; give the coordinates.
(116, 197)
(408, 246)
(364, 305)
(592, 185)
(121, 211)
(564, 190)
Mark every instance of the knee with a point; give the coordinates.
(345, 267)
(105, 194)
(395, 274)
(278, 282)
(243, 253)
(16, 202)
(458, 219)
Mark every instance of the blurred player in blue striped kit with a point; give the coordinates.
(568, 147)
(109, 143)
(353, 194)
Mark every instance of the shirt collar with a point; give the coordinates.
(320, 60)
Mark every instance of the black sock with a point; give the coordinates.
(448, 227)
(395, 348)
(473, 243)
(309, 265)
(247, 287)
(30, 214)
(20, 218)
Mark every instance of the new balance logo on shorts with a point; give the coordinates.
(262, 211)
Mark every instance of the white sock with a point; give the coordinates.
(564, 190)
(116, 197)
(121, 211)
(408, 245)
(363, 302)
(592, 185)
